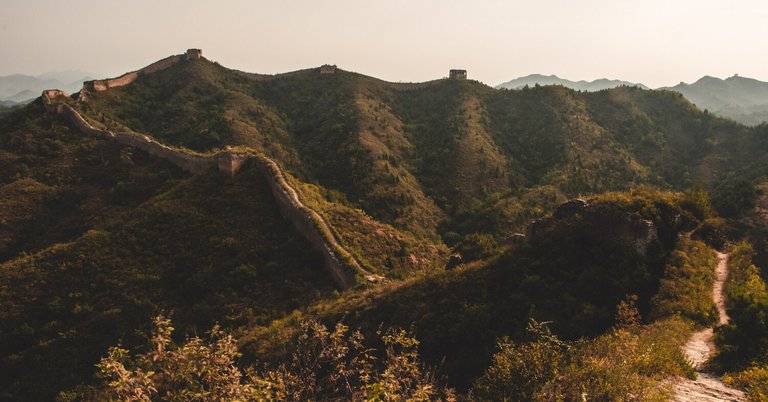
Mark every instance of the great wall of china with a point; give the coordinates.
(343, 267)
(194, 54)
(127, 78)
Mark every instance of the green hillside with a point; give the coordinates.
(98, 237)
(427, 185)
(414, 156)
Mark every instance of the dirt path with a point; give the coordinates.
(698, 349)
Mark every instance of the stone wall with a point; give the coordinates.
(188, 162)
(127, 78)
(342, 266)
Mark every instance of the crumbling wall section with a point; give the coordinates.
(604, 220)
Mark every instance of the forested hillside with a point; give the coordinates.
(453, 193)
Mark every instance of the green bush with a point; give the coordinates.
(518, 371)
(753, 379)
(630, 362)
(326, 365)
(745, 339)
(686, 288)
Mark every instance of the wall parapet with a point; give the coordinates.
(127, 78)
(343, 267)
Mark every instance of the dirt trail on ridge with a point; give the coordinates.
(700, 348)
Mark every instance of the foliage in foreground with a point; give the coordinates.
(743, 343)
(627, 363)
(327, 365)
(686, 288)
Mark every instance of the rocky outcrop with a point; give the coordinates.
(342, 266)
(604, 219)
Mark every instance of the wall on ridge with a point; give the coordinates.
(127, 78)
(190, 163)
(340, 264)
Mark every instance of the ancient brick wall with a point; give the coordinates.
(127, 78)
(340, 264)
(190, 163)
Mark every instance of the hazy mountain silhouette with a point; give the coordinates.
(596, 85)
(739, 98)
(21, 87)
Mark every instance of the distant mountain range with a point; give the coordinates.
(739, 98)
(590, 86)
(742, 99)
(19, 88)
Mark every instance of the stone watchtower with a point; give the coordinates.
(194, 54)
(327, 69)
(457, 74)
(230, 162)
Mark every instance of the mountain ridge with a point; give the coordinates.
(740, 98)
(22, 87)
(581, 85)
(404, 177)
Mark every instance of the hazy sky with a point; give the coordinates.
(656, 42)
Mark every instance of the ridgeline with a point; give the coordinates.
(219, 196)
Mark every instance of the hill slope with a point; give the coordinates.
(96, 237)
(412, 156)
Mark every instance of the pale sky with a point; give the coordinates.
(656, 42)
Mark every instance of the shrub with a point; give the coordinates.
(628, 363)
(518, 371)
(326, 365)
(686, 288)
(754, 380)
(745, 339)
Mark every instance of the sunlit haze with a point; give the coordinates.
(657, 42)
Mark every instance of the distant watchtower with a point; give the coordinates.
(327, 69)
(194, 54)
(457, 74)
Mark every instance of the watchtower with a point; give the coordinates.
(457, 74)
(194, 54)
(327, 69)
(230, 162)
